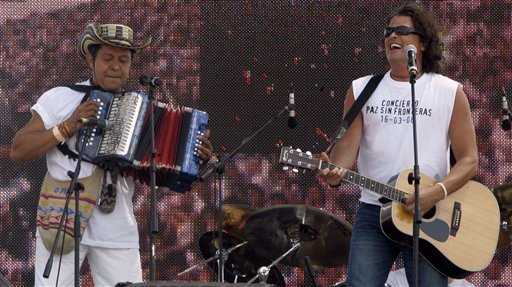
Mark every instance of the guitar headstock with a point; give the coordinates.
(296, 158)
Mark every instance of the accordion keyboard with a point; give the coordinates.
(122, 121)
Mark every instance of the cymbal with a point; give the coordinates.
(324, 238)
(503, 194)
(234, 218)
(241, 262)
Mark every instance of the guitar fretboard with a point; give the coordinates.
(383, 189)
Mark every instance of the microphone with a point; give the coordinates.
(292, 121)
(505, 112)
(410, 52)
(94, 122)
(148, 80)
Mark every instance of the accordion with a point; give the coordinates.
(125, 142)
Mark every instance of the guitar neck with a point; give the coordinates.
(385, 190)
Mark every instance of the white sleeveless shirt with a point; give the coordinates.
(386, 146)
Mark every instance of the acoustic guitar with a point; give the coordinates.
(458, 235)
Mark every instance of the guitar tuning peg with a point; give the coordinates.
(309, 153)
(295, 170)
(298, 150)
(285, 168)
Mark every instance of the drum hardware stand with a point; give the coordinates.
(152, 83)
(76, 187)
(309, 272)
(225, 253)
(219, 167)
(264, 271)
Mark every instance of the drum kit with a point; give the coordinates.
(254, 241)
(503, 194)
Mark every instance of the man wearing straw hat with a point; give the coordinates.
(110, 239)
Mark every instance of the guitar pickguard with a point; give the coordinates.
(437, 229)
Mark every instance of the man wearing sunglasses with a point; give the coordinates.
(380, 141)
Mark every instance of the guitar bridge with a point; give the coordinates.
(456, 217)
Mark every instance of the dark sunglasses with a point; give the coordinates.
(401, 30)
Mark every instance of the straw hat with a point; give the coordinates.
(116, 35)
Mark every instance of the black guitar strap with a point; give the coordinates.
(362, 99)
(355, 109)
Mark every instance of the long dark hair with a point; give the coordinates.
(425, 23)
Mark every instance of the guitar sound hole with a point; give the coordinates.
(430, 213)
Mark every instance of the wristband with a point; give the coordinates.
(336, 185)
(444, 189)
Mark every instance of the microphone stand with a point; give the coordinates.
(153, 217)
(74, 186)
(415, 177)
(219, 167)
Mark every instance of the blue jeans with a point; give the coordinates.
(372, 255)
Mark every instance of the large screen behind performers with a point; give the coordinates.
(238, 60)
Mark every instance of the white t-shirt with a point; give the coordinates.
(117, 229)
(386, 146)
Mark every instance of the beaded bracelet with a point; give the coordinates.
(65, 129)
(57, 134)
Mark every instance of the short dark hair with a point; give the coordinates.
(426, 24)
(93, 50)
